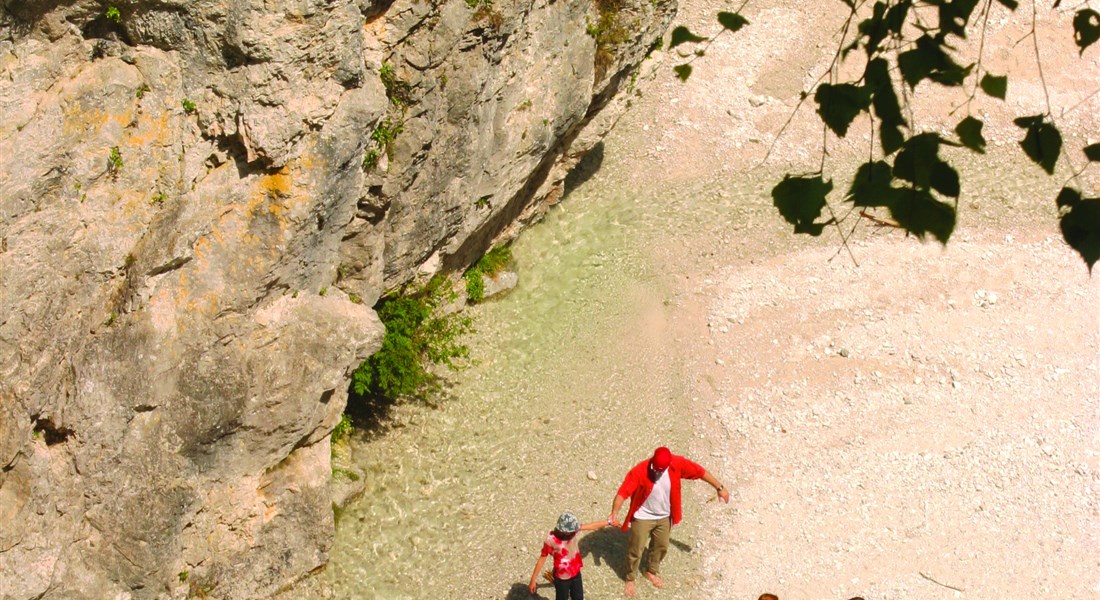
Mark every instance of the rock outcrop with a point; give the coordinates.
(199, 202)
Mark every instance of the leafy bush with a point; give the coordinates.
(382, 139)
(396, 90)
(342, 429)
(475, 285)
(114, 161)
(386, 134)
(609, 30)
(370, 159)
(113, 14)
(492, 263)
(415, 336)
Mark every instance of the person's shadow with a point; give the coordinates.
(607, 546)
(519, 591)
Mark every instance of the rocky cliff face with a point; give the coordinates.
(200, 201)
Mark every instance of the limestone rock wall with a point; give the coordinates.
(190, 244)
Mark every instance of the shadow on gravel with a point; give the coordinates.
(371, 414)
(519, 591)
(607, 547)
(585, 169)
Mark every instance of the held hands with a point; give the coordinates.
(613, 521)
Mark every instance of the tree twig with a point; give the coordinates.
(879, 221)
(950, 587)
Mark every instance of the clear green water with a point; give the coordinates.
(459, 497)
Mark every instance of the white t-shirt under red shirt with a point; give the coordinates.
(658, 504)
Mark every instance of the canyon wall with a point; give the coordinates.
(200, 202)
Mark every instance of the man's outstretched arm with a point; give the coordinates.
(613, 518)
(723, 493)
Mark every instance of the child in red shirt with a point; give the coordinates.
(562, 544)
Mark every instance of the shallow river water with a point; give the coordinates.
(566, 395)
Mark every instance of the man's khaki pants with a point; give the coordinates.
(657, 532)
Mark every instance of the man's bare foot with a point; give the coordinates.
(655, 580)
(629, 589)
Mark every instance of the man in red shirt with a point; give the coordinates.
(653, 487)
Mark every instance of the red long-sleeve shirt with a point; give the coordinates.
(637, 486)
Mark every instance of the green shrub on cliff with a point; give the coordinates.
(492, 263)
(381, 140)
(416, 336)
(398, 91)
(114, 161)
(342, 429)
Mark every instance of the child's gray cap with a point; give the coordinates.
(568, 523)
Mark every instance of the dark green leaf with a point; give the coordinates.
(921, 214)
(800, 200)
(969, 131)
(995, 86)
(1011, 4)
(914, 65)
(884, 99)
(1028, 121)
(732, 21)
(1093, 152)
(840, 104)
(928, 60)
(847, 49)
(952, 75)
(895, 17)
(871, 186)
(914, 163)
(874, 28)
(1067, 197)
(892, 139)
(954, 15)
(1042, 143)
(1086, 28)
(682, 71)
(1081, 229)
(683, 35)
(945, 179)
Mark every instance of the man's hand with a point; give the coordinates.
(613, 521)
(724, 495)
(532, 587)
